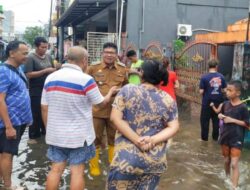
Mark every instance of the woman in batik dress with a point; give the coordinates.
(145, 118)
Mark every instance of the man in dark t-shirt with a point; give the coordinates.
(211, 86)
(37, 68)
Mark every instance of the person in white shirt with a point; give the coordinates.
(67, 99)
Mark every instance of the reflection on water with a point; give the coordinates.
(193, 165)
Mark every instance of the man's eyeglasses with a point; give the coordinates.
(109, 53)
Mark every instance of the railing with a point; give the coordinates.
(191, 63)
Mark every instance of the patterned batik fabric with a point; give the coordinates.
(125, 181)
(147, 111)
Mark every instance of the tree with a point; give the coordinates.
(31, 33)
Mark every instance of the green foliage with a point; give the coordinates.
(178, 45)
(31, 32)
(1, 9)
(182, 61)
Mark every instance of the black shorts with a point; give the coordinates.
(11, 145)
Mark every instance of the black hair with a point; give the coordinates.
(213, 63)
(12, 46)
(38, 40)
(131, 53)
(110, 45)
(154, 72)
(237, 84)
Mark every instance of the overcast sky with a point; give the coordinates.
(28, 12)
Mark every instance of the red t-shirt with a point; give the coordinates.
(170, 87)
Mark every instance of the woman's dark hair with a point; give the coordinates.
(110, 45)
(12, 46)
(154, 72)
(39, 40)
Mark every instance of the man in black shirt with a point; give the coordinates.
(38, 66)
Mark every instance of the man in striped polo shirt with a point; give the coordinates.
(15, 108)
(67, 100)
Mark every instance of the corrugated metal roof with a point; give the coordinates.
(81, 10)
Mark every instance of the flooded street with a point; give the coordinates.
(193, 165)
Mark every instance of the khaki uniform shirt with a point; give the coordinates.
(106, 78)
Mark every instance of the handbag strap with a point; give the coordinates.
(17, 72)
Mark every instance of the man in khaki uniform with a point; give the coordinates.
(107, 73)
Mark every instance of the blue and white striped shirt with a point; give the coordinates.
(70, 94)
(17, 97)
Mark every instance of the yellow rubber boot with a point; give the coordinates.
(94, 164)
(110, 153)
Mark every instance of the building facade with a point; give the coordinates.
(1, 20)
(149, 20)
(8, 26)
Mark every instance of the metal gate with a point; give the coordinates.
(153, 51)
(95, 41)
(191, 63)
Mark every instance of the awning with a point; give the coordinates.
(81, 10)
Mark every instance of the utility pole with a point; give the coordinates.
(117, 17)
(61, 10)
(248, 22)
(50, 16)
(120, 29)
(57, 29)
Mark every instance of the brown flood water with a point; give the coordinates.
(192, 165)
